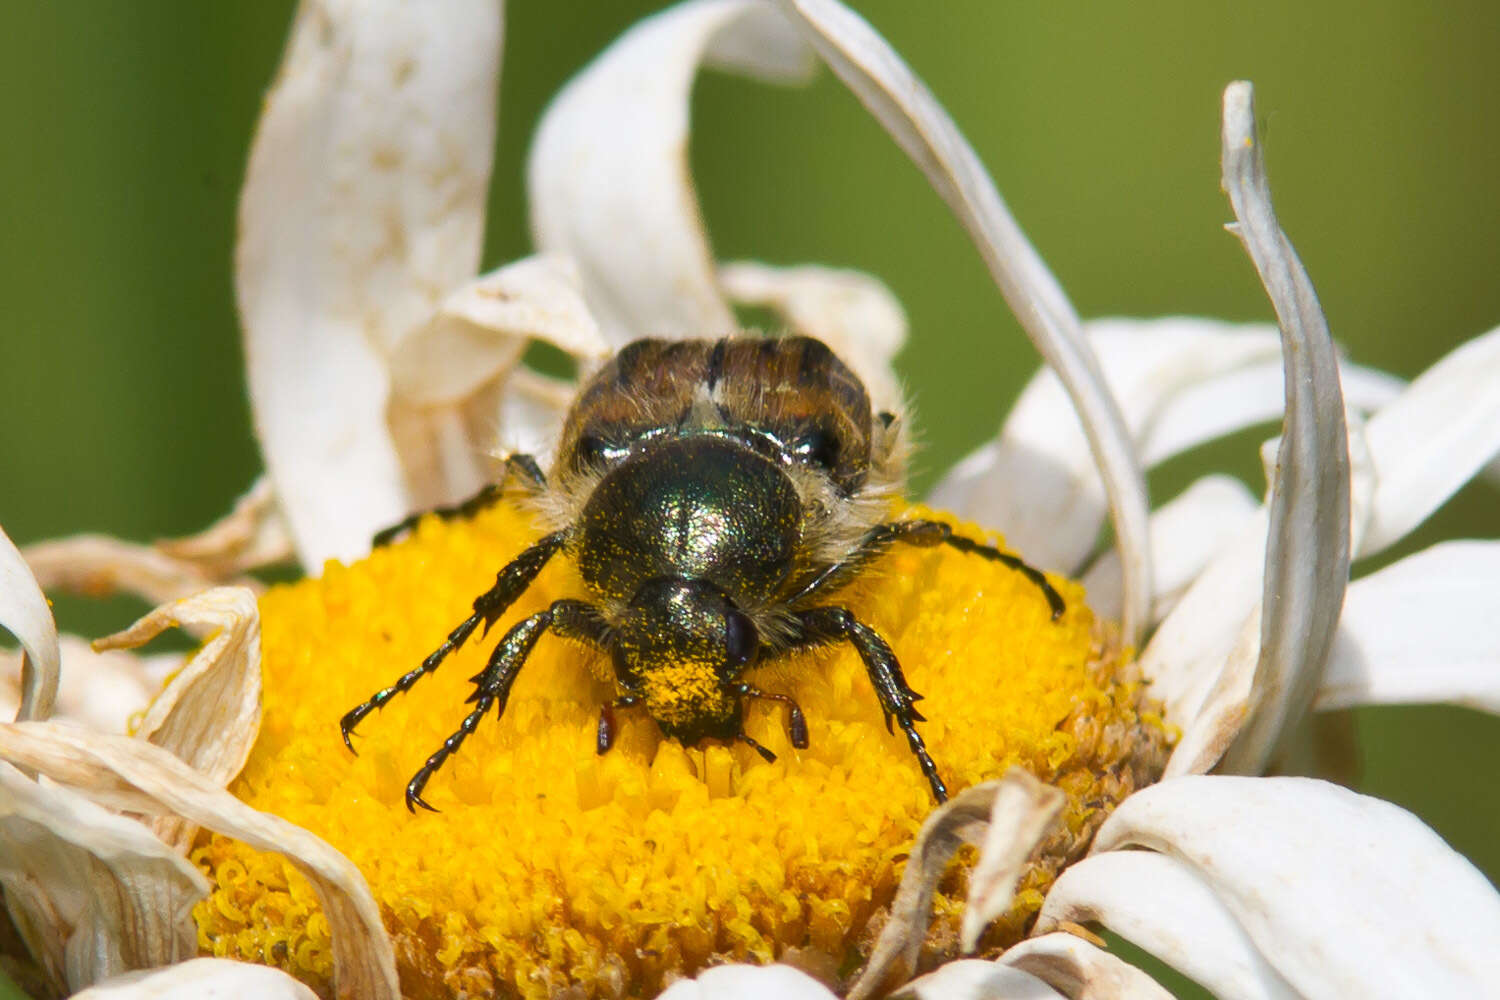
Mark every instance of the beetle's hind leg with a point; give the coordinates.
(510, 583)
(568, 618)
(820, 626)
(522, 468)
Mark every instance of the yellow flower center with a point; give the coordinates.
(550, 865)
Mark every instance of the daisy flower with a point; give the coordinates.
(1098, 787)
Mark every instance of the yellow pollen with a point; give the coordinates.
(551, 866)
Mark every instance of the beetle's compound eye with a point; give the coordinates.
(740, 639)
(817, 446)
(590, 451)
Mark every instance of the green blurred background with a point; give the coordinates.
(123, 408)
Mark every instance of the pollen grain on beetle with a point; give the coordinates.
(552, 865)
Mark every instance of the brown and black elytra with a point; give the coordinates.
(715, 495)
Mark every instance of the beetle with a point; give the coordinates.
(716, 495)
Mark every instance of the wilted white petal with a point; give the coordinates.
(482, 329)
(608, 174)
(137, 776)
(209, 714)
(1307, 551)
(24, 612)
(252, 534)
(959, 821)
(1080, 971)
(1159, 903)
(98, 565)
(1433, 439)
(1346, 895)
(98, 690)
(1023, 810)
(523, 414)
(973, 979)
(201, 979)
(1421, 630)
(850, 311)
(363, 205)
(901, 102)
(92, 893)
(748, 982)
(1186, 533)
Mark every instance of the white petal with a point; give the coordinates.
(961, 820)
(973, 979)
(901, 103)
(1433, 439)
(1421, 630)
(1186, 533)
(1345, 894)
(1161, 905)
(24, 612)
(362, 207)
(1307, 552)
(1081, 971)
(608, 174)
(1023, 810)
(98, 565)
(209, 715)
(99, 690)
(850, 311)
(482, 329)
(92, 893)
(139, 777)
(201, 979)
(748, 982)
(253, 534)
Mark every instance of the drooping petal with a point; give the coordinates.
(24, 612)
(973, 979)
(99, 565)
(253, 534)
(1082, 971)
(136, 776)
(1420, 631)
(1186, 533)
(608, 175)
(209, 715)
(850, 311)
(201, 978)
(1344, 894)
(1158, 903)
(1433, 439)
(959, 821)
(748, 982)
(92, 893)
(1023, 810)
(363, 206)
(99, 690)
(908, 111)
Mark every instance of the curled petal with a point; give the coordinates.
(363, 205)
(1160, 904)
(1433, 439)
(1082, 971)
(1023, 810)
(959, 821)
(202, 977)
(749, 982)
(251, 535)
(209, 715)
(99, 690)
(98, 565)
(973, 979)
(137, 776)
(1418, 631)
(1345, 894)
(913, 117)
(608, 174)
(851, 312)
(92, 893)
(1186, 533)
(24, 611)
(1307, 553)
